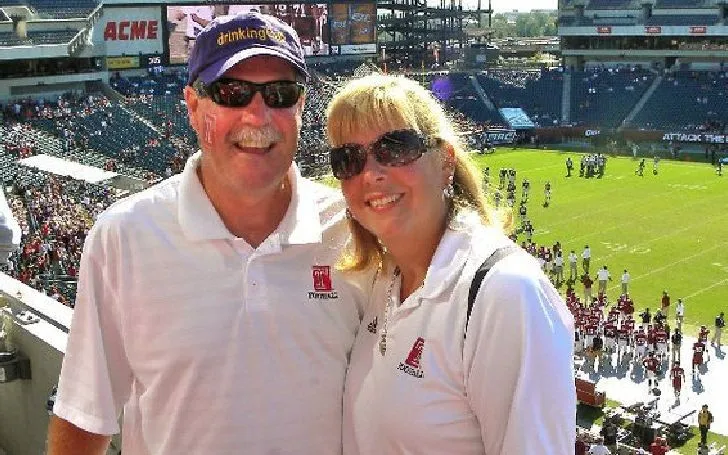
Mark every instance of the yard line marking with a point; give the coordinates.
(667, 266)
(707, 288)
(670, 234)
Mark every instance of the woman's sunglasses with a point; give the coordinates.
(236, 93)
(394, 149)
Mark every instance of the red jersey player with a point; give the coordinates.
(651, 364)
(703, 338)
(665, 303)
(661, 339)
(677, 375)
(698, 350)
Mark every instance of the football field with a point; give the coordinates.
(670, 230)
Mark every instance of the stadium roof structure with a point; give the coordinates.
(71, 169)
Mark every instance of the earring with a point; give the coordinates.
(348, 213)
(449, 190)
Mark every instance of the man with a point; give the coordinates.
(698, 350)
(625, 282)
(559, 268)
(572, 266)
(586, 258)
(676, 340)
(197, 18)
(603, 276)
(665, 303)
(659, 446)
(587, 282)
(677, 375)
(651, 364)
(719, 324)
(705, 418)
(208, 306)
(569, 166)
(599, 448)
(547, 194)
(679, 313)
(610, 433)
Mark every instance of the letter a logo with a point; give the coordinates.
(415, 354)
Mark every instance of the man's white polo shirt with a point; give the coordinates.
(602, 274)
(507, 388)
(209, 345)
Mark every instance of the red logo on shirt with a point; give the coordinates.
(321, 278)
(411, 365)
(415, 355)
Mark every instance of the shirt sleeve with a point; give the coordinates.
(95, 377)
(518, 362)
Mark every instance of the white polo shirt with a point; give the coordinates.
(506, 389)
(586, 254)
(625, 277)
(209, 345)
(602, 274)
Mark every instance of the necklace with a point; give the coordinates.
(387, 309)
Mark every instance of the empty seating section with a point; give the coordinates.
(685, 101)
(59, 9)
(682, 19)
(52, 37)
(603, 98)
(538, 93)
(669, 4)
(11, 39)
(608, 4)
(34, 38)
(456, 91)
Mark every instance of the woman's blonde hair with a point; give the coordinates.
(383, 102)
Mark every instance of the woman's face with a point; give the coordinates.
(399, 203)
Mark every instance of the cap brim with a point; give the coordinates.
(213, 72)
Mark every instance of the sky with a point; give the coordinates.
(500, 6)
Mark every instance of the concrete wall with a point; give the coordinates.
(24, 420)
(23, 415)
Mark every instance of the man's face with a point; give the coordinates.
(246, 151)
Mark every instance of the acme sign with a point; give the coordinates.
(131, 30)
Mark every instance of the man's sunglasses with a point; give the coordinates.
(394, 149)
(235, 93)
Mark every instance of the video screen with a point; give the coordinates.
(184, 23)
(353, 23)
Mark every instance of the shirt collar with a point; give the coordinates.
(464, 235)
(200, 221)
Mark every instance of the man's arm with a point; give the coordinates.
(66, 438)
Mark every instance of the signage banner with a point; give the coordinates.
(129, 31)
(120, 63)
(698, 138)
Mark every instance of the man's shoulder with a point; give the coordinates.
(154, 201)
(328, 201)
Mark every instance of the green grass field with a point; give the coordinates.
(670, 230)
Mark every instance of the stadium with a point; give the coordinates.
(635, 97)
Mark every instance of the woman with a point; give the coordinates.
(426, 378)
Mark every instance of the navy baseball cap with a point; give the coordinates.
(228, 40)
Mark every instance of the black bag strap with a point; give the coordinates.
(482, 271)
